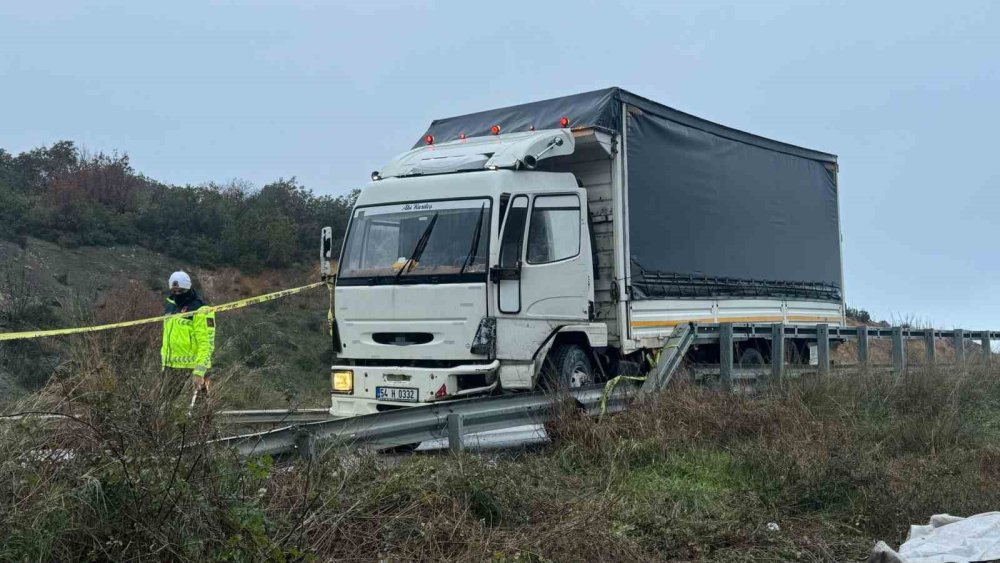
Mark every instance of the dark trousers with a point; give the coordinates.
(173, 384)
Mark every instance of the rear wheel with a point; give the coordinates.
(568, 367)
(751, 358)
(793, 353)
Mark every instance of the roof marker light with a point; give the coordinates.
(532, 128)
(564, 122)
(375, 176)
(461, 136)
(495, 129)
(429, 139)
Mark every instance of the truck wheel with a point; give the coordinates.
(568, 367)
(751, 358)
(793, 354)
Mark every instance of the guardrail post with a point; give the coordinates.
(455, 423)
(823, 347)
(777, 353)
(862, 345)
(959, 346)
(305, 445)
(929, 349)
(987, 351)
(726, 354)
(898, 350)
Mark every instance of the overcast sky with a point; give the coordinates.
(906, 93)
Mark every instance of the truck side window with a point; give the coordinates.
(554, 233)
(513, 232)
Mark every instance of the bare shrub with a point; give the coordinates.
(107, 179)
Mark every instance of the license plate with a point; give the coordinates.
(396, 394)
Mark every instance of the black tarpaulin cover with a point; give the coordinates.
(713, 211)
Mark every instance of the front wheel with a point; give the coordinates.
(568, 367)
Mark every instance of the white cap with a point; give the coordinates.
(180, 279)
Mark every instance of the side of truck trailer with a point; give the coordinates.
(560, 242)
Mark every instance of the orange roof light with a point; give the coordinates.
(563, 122)
(429, 139)
(495, 129)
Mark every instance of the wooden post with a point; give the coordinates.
(777, 353)
(726, 354)
(823, 347)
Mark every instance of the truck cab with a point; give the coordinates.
(461, 264)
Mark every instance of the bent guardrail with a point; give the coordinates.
(418, 424)
(453, 419)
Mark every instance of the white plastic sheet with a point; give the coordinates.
(946, 539)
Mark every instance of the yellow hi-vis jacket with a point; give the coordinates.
(188, 342)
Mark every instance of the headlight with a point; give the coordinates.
(343, 381)
(486, 336)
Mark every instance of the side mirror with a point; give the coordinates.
(326, 252)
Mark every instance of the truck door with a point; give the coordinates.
(508, 273)
(556, 273)
(544, 274)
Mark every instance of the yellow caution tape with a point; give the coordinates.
(216, 308)
(611, 384)
(329, 312)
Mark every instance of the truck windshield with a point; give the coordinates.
(384, 244)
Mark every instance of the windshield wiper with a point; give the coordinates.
(418, 249)
(475, 240)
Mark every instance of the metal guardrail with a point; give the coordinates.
(417, 424)
(272, 416)
(728, 333)
(453, 419)
(235, 418)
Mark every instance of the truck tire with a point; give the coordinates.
(751, 358)
(568, 367)
(793, 353)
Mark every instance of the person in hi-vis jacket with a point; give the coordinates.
(188, 341)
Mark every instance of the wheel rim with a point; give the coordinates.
(579, 377)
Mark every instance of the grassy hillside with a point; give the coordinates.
(86, 239)
(283, 346)
(813, 472)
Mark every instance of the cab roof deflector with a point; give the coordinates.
(510, 150)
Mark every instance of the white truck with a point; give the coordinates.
(559, 242)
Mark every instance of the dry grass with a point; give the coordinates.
(692, 474)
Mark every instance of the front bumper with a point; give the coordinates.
(427, 381)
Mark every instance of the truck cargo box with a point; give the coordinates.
(710, 211)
